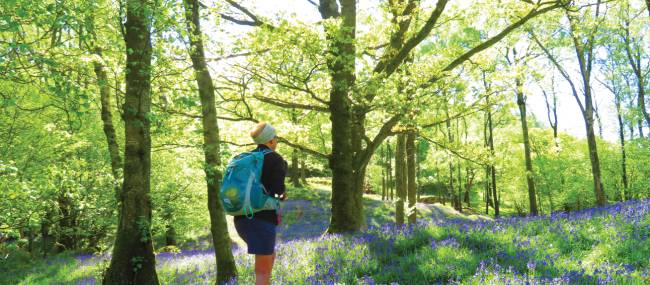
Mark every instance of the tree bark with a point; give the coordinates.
(468, 186)
(585, 54)
(459, 168)
(400, 178)
(347, 215)
(593, 149)
(597, 117)
(584, 50)
(383, 183)
(488, 199)
(295, 159)
(389, 171)
(303, 169)
(621, 136)
(588, 116)
(521, 102)
(411, 186)
(133, 260)
(295, 169)
(640, 125)
(493, 174)
(226, 267)
(451, 190)
(107, 120)
(459, 194)
(349, 159)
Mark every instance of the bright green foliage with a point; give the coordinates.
(55, 170)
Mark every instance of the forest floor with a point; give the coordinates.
(606, 245)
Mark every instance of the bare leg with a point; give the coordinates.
(263, 268)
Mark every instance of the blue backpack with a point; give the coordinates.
(242, 192)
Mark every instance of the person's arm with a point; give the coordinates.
(277, 171)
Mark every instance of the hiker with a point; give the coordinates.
(259, 232)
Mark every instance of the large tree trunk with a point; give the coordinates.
(133, 260)
(411, 186)
(585, 55)
(349, 159)
(347, 215)
(400, 178)
(521, 102)
(358, 166)
(588, 116)
(226, 267)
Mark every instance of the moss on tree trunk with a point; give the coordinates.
(133, 260)
(226, 267)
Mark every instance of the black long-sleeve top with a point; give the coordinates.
(274, 171)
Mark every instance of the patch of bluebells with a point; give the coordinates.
(560, 248)
(302, 219)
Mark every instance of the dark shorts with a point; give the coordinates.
(258, 234)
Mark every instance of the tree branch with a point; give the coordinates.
(285, 104)
(461, 114)
(490, 42)
(389, 65)
(383, 133)
(302, 148)
(560, 69)
(254, 22)
(447, 148)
